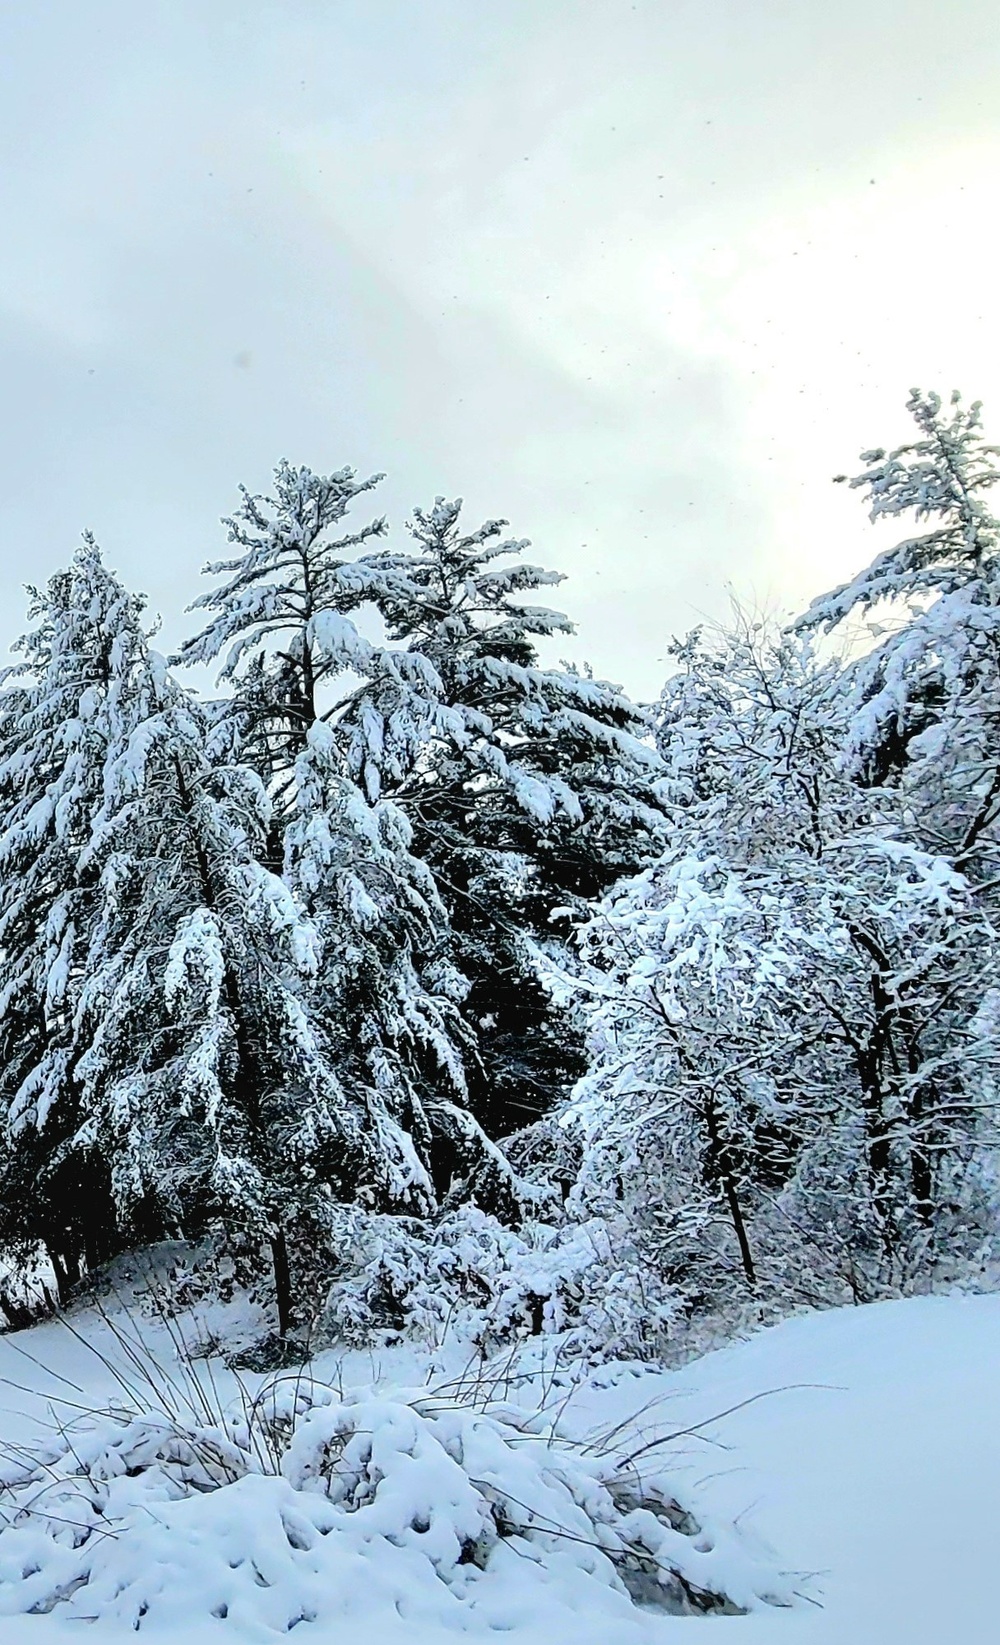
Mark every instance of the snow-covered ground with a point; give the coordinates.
(866, 1452)
(886, 1479)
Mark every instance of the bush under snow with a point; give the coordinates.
(306, 1505)
(470, 1277)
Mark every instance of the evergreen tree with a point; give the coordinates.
(191, 1037)
(530, 789)
(925, 701)
(282, 616)
(387, 992)
(252, 1048)
(526, 788)
(77, 687)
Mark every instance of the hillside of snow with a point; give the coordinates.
(853, 1455)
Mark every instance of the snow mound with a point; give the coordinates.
(308, 1506)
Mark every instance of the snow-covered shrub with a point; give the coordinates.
(547, 1155)
(585, 1286)
(793, 1074)
(28, 1290)
(469, 1276)
(305, 1506)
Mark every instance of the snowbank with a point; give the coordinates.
(865, 1449)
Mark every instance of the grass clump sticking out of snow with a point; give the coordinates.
(302, 1503)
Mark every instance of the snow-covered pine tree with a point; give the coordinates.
(282, 615)
(188, 1037)
(187, 1000)
(926, 698)
(252, 1048)
(529, 788)
(77, 686)
(525, 787)
(388, 992)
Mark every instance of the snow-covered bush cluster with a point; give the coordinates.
(457, 994)
(469, 1277)
(305, 1505)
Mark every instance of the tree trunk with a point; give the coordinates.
(723, 1160)
(873, 1058)
(282, 1281)
(879, 1151)
(921, 1167)
(66, 1268)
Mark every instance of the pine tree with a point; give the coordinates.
(388, 994)
(253, 1048)
(191, 1038)
(77, 687)
(282, 616)
(533, 788)
(526, 788)
(185, 1001)
(926, 698)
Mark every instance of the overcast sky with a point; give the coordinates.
(638, 276)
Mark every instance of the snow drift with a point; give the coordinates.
(307, 1506)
